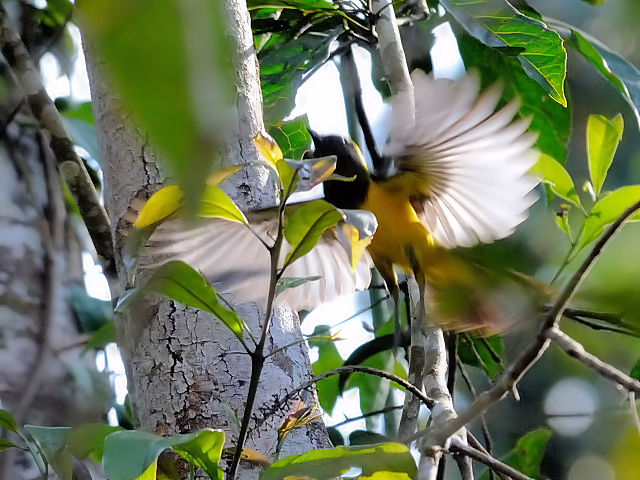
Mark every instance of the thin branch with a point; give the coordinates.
(530, 355)
(70, 164)
(460, 447)
(367, 415)
(577, 351)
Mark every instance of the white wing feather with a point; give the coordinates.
(237, 263)
(472, 160)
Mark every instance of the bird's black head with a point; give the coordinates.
(349, 163)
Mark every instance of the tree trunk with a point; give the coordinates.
(40, 260)
(183, 369)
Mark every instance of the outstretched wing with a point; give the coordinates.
(237, 262)
(463, 164)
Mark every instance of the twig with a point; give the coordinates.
(459, 446)
(577, 351)
(367, 415)
(530, 355)
(70, 164)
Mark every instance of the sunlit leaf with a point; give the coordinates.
(268, 148)
(312, 171)
(182, 93)
(214, 203)
(558, 179)
(550, 119)
(292, 136)
(327, 463)
(53, 445)
(132, 455)
(603, 137)
(88, 439)
(607, 210)
(498, 24)
(180, 282)
(307, 224)
(162, 204)
(219, 176)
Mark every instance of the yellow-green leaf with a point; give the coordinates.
(217, 204)
(268, 147)
(553, 174)
(307, 224)
(162, 204)
(219, 176)
(603, 137)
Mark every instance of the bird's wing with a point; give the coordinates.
(234, 259)
(463, 164)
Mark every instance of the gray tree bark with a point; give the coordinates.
(40, 259)
(184, 370)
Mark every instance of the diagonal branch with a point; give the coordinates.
(530, 355)
(70, 164)
(497, 466)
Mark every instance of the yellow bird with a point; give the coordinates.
(456, 176)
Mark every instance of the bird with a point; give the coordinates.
(455, 175)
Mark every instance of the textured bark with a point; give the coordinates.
(38, 264)
(184, 370)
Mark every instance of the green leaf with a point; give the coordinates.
(550, 119)
(180, 282)
(53, 444)
(130, 454)
(485, 353)
(603, 137)
(527, 454)
(365, 437)
(384, 458)
(88, 439)
(607, 210)
(100, 339)
(328, 359)
(558, 179)
(8, 422)
(183, 93)
(217, 204)
(285, 283)
(84, 135)
(635, 371)
(292, 136)
(498, 24)
(562, 221)
(92, 313)
(307, 224)
(6, 444)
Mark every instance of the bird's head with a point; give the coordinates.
(351, 191)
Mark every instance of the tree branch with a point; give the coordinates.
(70, 164)
(577, 351)
(530, 355)
(497, 466)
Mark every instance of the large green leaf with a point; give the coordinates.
(603, 137)
(607, 210)
(182, 91)
(618, 71)
(180, 282)
(527, 454)
(129, 455)
(217, 204)
(550, 119)
(558, 179)
(498, 24)
(292, 136)
(385, 459)
(307, 224)
(53, 445)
